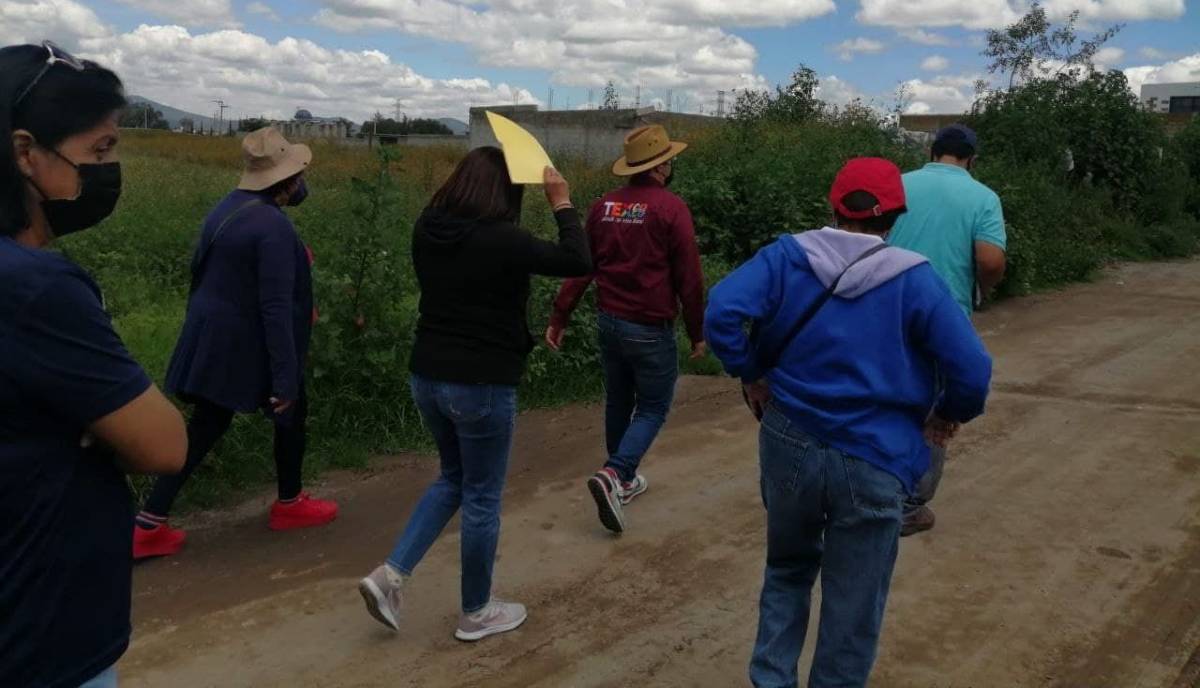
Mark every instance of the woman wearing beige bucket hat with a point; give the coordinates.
(246, 335)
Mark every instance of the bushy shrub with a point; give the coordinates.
(752, 181)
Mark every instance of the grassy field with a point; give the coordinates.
(745, 185)
(358, 221)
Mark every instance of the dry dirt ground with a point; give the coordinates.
(1067, 551)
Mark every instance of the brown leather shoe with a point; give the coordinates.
(917, 520)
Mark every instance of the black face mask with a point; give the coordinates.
(99, 191)
(299, 195)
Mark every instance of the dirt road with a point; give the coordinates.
(1067, 552)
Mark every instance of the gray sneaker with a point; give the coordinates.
(496, 617)
(633, 488)
(605, 487)
(383, 591)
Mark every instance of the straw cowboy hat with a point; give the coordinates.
(645, 149)
(270, 159)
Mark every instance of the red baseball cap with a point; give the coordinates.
(876, 176)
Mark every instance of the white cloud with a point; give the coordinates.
(660, 44)
(263, 10)
(990, 14)
(941, 95)
(978, 14)
(848, 48)
(32, 21)
(924, 37)
(1116, 10)
(835, 91)
(174, 66)
(1108, 57)
(193, 13)
(1183, 69)
(935, 63)
(1153, 53)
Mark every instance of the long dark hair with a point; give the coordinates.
(480, 189)
(64, 102)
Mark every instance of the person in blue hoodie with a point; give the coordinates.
(858, 357)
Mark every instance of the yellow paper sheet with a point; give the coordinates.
(526, 158)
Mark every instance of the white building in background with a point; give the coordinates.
(1173, 98)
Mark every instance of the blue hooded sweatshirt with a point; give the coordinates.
(863, 375)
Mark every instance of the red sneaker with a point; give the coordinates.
(159, 541)
(304, 512)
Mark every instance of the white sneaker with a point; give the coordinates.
(383, 591)
(606, 490)
(627, 491)
(496, 617)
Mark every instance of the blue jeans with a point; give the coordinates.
(473, 428)
(832, 514)
(106, 679)
(641, 365)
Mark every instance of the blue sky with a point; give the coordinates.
(439, 57)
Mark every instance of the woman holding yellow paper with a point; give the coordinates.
(474, 264)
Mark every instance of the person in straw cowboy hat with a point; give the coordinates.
(647, 265)
(246, 336)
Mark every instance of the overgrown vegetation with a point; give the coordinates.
(1084, 174)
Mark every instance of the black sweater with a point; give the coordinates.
(474, 281)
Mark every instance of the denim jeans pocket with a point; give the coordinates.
(873, 489)
(466, 403)
(783, 458)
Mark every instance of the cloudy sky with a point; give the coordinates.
(439, 57)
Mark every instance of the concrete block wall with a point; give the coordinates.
(597, 136)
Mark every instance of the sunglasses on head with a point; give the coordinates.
(55, 55)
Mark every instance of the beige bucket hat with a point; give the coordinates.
(270, 159)
(647, 148)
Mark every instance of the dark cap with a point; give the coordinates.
(876, 176)
(958, 132)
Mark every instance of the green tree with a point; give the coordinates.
(142, 116)
(1033, 47)
(796, 102)
(386, 126)
(612, 99)
(252, 124)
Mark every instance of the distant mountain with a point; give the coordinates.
(457, 126)
(173, 115)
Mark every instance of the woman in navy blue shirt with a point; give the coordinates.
(76, 411)
(246, 335)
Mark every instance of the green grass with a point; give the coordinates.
(358, 221)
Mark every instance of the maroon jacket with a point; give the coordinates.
(646, 260)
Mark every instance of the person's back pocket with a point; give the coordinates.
(466, 403)
(872, 489)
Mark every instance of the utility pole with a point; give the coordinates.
(591, 98)
(720, 103)
(670, 99)
(221, 108)
(399, 112)
(550, 98)
(637, 99)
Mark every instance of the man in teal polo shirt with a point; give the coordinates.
(957, 223)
